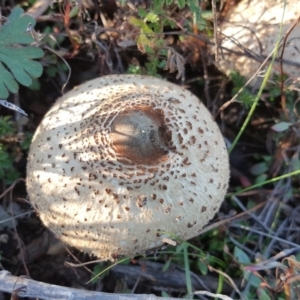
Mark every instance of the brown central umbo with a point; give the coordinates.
(138, 136)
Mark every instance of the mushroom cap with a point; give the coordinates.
(251, 28)
(123, 161)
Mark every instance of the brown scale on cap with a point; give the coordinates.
(122, 161)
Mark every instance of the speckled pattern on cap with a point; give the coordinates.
(121, 161)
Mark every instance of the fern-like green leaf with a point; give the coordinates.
(17, 54)
(151, 17)
(181, 3)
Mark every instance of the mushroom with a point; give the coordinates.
(122, 162)
(249, 34)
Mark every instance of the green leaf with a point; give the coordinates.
(35, 85)
(27, 141)
(166, 266)
(7, 81)
(259, 168)
(181, 3)
(20, 64)
(142, 12)
(14, 30)
(16, 54)
(6, 127)
(5, 161)
(11, 175)
(295, 163)
(74, 11)
(281, 126)
(252, 279)
(261, 178)
(158, 4)
(262, 294)
(151, 17)
(135, 21)
(141, 24)
(202, 267)
(165, 294)
(241, 256)
(214, 245)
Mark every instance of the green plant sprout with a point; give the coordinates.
(249, 116)
(151, 41)
(245, 97)
(180, 255)
(17, 54)
(7, 170)
(102, 270)
(263, 85)
(148, 42)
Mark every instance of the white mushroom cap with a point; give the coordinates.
(254, 26)
(122, 161)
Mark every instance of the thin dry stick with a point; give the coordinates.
(271, 262)
(246, 84)
(20, 243)
(38, 43)
(220, 296)
(26, 287)
(256, 219)
(214, 10)
(206, 77)
(75, 258)
(271, 244)
(212, 269)
(194, 276)
(12, 186)
(16, 217)
(136, 284)
(266, 235)
(220, 96)
(85, 263)
(283, 98)
(10, 190)
(229, 220)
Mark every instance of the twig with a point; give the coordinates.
(39, 8)
(233, 99)
(20, 242)
(229, 220)
(261, 223)
(206, 77)
(220, 296)
(34, 289)
(230, 280)
(214, 10)
(271, 245)
(266, 235)
(75, 258)
(44, 46)
(12, 186)
(69, 264)
(283, 98)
